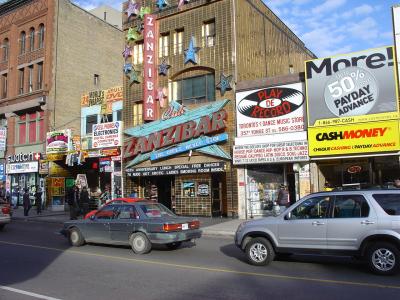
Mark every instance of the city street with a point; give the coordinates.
(38, 263)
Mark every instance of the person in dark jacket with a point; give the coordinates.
(84, 198)
(283, 198)
(38, 200)
(72, 203)
(26, 202)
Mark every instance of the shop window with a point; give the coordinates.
(208, 33)
(106, 118)
(163, 45)
(21, 81)
(178, 41)
(6, 48)
(193, 90)
(32, 39)
(137, 114)
(30, 79)
(138, 53)
(90, 121)
(41, 36)
(4, 85)
(22, 42)
(39, 76)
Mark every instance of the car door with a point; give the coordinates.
(124, 224)
(352, 219)
(98, 226)
(305, 225)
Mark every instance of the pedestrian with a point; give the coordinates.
(38, 200)
(2, 193)
(283, 198)
(397, 183)
(71, 200)
(26, 202)
(84, 198)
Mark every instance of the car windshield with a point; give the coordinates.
(156, 210)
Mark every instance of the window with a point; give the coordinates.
(90, 121)
(32, 39)
(193, 90)
(22, 41)
(105, 16)
(106, 118)
(208, 33)
(21, 81)
(4, 84)
(30, 85)
(41, 36)
(163, 45)
(30, 128)
(39, 76)
(156, 211)
(118, 115)
(138, 54)
(6, 48)
(137, 114)
(390, 203)
(351, 206)
(96, 79)
(178, 41)
(127, 212)
(313, 208)
(106, 213)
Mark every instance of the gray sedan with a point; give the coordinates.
(139, 225)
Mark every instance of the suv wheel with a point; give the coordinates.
(383, 258)
(259, 252)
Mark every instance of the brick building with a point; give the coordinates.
(51, 52)
(203, 48)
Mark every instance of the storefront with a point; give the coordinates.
(180, 160)
(23, 172)
(353, 120)
(271, 146)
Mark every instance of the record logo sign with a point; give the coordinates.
(271, 103)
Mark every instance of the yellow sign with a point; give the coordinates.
(105, 98)
(356, 138)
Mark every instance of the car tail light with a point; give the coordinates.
(5, 210)
(194, 224)
(172, 227)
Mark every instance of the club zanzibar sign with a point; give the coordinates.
(149, 68)
(189, 130)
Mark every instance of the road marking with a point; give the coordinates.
(38, 296)
(190, 267)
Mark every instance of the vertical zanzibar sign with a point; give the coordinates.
(149, 68)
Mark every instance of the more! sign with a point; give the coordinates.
(107, 135)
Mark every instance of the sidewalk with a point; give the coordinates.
(224, 227)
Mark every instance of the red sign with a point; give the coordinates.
(149, 68)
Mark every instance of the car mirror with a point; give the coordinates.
(92, 217)
(288, 216)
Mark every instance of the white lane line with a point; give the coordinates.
(38, 296)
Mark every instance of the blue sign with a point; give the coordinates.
(190, 145)
(2, 173)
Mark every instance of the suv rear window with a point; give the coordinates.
(390, 203)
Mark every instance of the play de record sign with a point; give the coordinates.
(107, 134)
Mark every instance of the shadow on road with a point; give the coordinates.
(232, 250)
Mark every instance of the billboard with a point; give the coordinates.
(3, 138)
(273, 110)
(58, 142)
(352, 88)
(107, 135)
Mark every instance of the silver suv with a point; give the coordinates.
(361, 223)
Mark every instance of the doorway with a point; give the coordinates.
(159, 189)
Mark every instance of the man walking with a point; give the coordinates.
(72, 203)
(26, 202)
(38, 200)
(283, 198)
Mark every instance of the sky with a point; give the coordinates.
(327, 27)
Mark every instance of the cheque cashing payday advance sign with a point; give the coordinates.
(351, 103)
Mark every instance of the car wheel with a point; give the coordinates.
(2, 226)
(383, 258)
(75, 237)
(259, 252)
(174, 245)
(140, 243)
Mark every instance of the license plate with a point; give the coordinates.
(185, 226)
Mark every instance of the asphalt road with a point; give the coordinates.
(37, 263)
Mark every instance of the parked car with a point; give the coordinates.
(114, 201)
(139, 224)
(5, 214)
(360, 223)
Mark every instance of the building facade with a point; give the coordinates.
(178, 148)
(50, 53)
